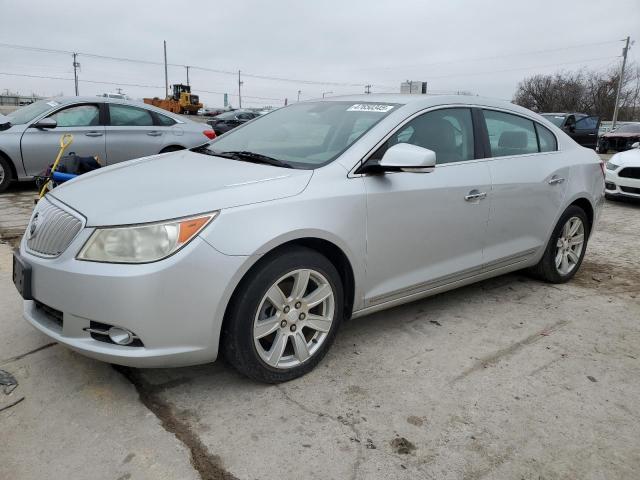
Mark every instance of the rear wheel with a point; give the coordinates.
(284, 317)
(566, 248)
(6, 174)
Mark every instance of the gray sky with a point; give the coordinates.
(452, 45)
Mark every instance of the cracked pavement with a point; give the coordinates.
(508, 378)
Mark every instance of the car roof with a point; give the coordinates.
(121, 101)
(564, 114)
(421, 101)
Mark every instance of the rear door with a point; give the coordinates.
(82, 120)
(586, 131)
(529, 182)
(132, 132)
(427, 229)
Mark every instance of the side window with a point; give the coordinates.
(546, 139)
(448, 132)
(165, 121)
(245, 116)
(78, 116)
(126, 116)
(587, 123)
(510, 134)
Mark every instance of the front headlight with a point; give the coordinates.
(142, 243)
(611, 166)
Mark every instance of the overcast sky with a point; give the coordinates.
(484, 47)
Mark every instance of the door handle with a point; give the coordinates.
(94, 134)
(475, 195)
(556, 180)
(154, 133)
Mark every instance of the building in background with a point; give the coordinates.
(413, 87)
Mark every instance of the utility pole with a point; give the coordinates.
(187, 67)
(367, 89)
(166, 73)
(240, 82)
(75, 72)
(299, 92)
(624, 62)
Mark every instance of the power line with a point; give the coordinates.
(466, 74)
(195, 67)
(493, 57)
(49, 77)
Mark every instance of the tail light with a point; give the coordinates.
(210, 134)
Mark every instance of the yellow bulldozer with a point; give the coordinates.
(180, 101)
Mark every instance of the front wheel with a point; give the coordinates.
(566, 248)
(5, 174)
(284, 317)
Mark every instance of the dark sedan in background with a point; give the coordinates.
(230, 120)
(620, 139)
(579, 126)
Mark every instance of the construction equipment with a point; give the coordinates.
(180, 101)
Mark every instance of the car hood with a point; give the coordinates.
(622, 134)
(630, 158)
(175, 185)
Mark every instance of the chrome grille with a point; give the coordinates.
(51, 229)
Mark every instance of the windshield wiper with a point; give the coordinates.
(254, 157)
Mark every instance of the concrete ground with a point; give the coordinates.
(509, 378)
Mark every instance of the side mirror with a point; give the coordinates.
(408, 158)
(636, 145)
(45, 123)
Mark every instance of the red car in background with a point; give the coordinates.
(620, 139)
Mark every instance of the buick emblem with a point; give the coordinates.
(33, 226)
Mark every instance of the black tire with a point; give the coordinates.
(546, 268)
(7, 174)
(237, 342)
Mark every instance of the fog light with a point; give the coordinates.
(120, 336)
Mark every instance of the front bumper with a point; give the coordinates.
(175, 306)
(614, 185)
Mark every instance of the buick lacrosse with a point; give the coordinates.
(259, 244)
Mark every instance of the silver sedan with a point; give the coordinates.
(299, 220)
(113, 130)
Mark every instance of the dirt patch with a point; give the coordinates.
(612, 278)
(402, 446)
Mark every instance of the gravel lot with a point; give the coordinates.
(509, 378)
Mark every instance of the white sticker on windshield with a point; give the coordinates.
(369, 107)
(53, 104)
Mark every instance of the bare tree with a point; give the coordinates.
(587, 91)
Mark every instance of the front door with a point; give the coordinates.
(40, 146)
(586, 131)
(425, 230)
(529, 182)
(132, 133)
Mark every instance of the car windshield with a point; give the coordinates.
(629, 128)
(557, 120)
(26, 114)
(304, 135)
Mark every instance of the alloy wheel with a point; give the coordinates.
(569, 246)
(294, 318)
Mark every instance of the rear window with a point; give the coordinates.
(126, 116)
(510, 134)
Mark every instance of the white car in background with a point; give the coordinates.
(623, 174)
